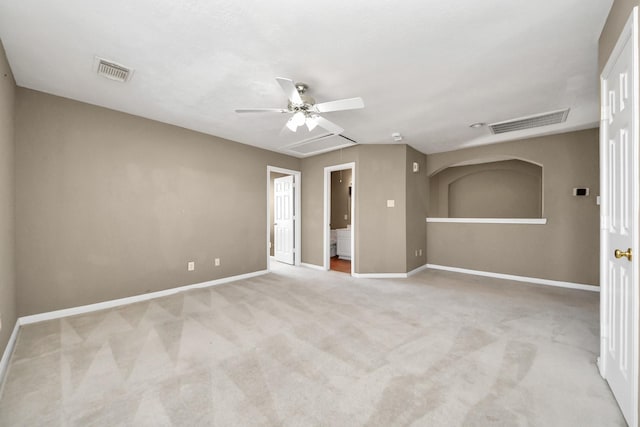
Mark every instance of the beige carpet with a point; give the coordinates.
(300, 347)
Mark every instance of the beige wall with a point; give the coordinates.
(616, 20)
(380, 177)
(380, 232)
(503, 189)
(111, 205)
(565, 249)
(340, 199)
(416, 196)
(7, 203)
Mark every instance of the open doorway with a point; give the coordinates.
(339, 197)
(283, 216)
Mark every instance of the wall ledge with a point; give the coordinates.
(530, 221)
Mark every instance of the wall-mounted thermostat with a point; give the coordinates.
(580, 191)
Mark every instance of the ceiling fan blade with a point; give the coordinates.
(327, 125)
(341, 104)
(289, 88)
(262, 110)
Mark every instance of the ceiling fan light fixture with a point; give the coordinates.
(299, 118)
(292, 125)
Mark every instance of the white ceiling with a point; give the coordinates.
(425, 68)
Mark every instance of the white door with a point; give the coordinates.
(283, 217)
(619, 212)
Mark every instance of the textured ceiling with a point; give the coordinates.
(426, 69)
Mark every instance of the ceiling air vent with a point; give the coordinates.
(319, 144)
(112, 70)
(537, 120)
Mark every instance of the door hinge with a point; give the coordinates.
(605, 113)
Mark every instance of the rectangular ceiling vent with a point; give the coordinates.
(319, 144)
(113, 71)
(529, 122)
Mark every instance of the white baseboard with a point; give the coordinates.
(535, 280)
(8, 351)
(313, 266)
(380, 275)
(25, 320)
(390, 275)
(600, 367)
(417, 270)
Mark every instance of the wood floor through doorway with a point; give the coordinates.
(341, 265)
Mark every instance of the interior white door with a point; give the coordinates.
(619, 211)
(283, 213)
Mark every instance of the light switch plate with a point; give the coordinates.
(391, 203)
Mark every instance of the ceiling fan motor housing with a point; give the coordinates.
(306, 106)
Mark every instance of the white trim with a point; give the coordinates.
(391, 275)
(327, 213)
(629, 32)
(312, 266)
(636, 209)
(297, 191)
(6, 356)
(57, 314)
(536, 221)
(417, 270)
(535, 280)
(380, 275)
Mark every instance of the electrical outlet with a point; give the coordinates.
(191, 266)
(416, 252)
(419, 252)
(217, 262)
(346, 216)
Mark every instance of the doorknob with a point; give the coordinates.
(619, 254)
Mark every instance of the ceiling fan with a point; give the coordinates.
(305, 110)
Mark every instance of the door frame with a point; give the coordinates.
(630, 32)
(327, 213)
(297, 217)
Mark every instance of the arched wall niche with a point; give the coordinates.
(497, 187)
